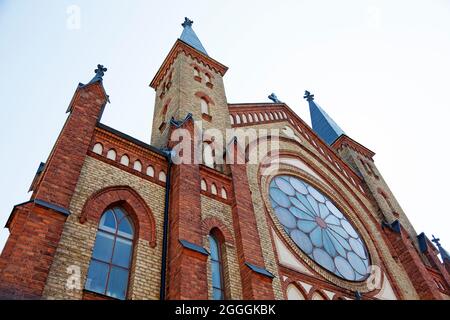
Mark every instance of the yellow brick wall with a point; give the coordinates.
(78, 239)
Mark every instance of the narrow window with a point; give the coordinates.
(196, 72)
(223, 193)
(109, 268)
(213, 189)
(208, 158)
(150, 171)
(216, 268)
(203, 185)
(204, 106)
(98, 148)
(111, 154)
(137, 166)
(125, 160)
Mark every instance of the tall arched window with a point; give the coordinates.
(208, 157)
(204, 106)
(111, 258)
(216, 268)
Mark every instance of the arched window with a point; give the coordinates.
(208, 158)
(231, 119)
(125, 160)
(207, 78)
(238, 119)
(111, 154)
(98, 148)
(137, 166)
(293, 293)
(213, 189)
(150, 171)
(261, 118)
(162, 176)
(111, 258)
(244, 118)
(216, 268)
(204, 106)
(250, 117)
(203, 185)
(196, 72)
(223, 193)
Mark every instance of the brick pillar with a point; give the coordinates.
(63, 167)
(412, 262)
(187, 260)
(28, 253)
(35, 227)
(255, 284)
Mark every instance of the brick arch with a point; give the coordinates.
(290, 282)
(210, 223)
(131, 201)
(203, 95)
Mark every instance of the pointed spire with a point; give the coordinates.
(188, 35)
(444, 254)
(321, 122)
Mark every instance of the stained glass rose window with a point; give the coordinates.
(318, 228)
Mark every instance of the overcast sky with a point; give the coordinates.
(380, 68)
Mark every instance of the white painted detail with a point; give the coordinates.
(329, 294)
(386, 292)
(98, 148)
(293, 293)
(286, 258)
(305, 286)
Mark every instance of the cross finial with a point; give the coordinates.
(436, 240)
(308, 96)
(100, 71)
(274, 98)
(187, 22)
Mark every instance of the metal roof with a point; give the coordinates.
(321, 122)
(188, 36)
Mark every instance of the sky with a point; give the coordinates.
(381, 69)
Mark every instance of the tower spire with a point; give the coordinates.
(444, 254)
(321, 122)
(188, 36)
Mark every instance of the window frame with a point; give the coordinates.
(220, 263)
(110, 264)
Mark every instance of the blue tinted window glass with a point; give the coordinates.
(118, 283)
(122, 252)
(215, 272)
(108, 222)
(125, 228)
(318, 227)
(217, 294)
(214, 248)
(97, 275)
(103, 246)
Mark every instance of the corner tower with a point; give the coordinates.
(188, 81)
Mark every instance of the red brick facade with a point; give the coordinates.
(36, 227)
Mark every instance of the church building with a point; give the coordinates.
(227, 201)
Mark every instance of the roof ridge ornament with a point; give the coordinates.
(274, 98)
(187, 22)
(308, 96)
(444, 254)
(99, 73)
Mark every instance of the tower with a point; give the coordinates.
(189, 81)
(412, 250)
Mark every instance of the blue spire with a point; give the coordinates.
(321, 122)
(444, 254)
(190, 37)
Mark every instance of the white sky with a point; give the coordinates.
(380, 68)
